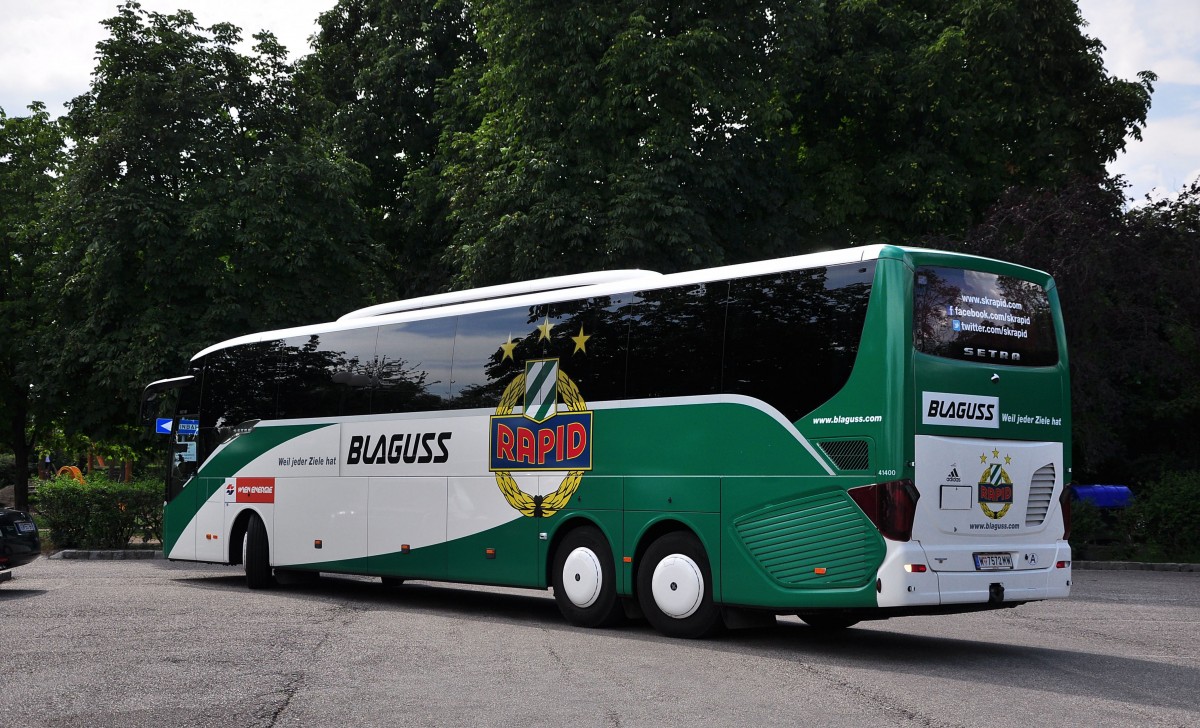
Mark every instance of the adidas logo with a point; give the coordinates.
(953, 476)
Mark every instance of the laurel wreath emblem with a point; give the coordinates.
(538, 506)
(987, 511)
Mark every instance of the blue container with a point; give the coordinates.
(1104, 496)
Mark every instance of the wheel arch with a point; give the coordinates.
(237, 533)
(565, 527)
(656, 530)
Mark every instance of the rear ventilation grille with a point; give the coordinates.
(1041, 491)
(847, 454)
(820, 542)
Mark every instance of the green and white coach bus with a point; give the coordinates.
(858, 434)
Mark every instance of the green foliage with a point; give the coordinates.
(197, 205)
(1163, 517)
(648, 133)
(915, 116)
(631, 134)
(31, 159)
(374, 77)
(1125, 281)
(100, 514)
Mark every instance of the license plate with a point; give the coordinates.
(991, 562)
(25, 527)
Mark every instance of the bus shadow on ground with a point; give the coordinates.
(868, 646)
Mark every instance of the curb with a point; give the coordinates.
(1132, 566)
(107, 555)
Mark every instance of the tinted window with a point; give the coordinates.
(184, 451)
(675, 337)
(792, 337)
(975, 316)
(490, 349)
(589, 338)
(326, 375)
(239, 387)
(412, 366)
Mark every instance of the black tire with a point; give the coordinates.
(256, 555)
(585, 580)
(391, 582)
(684, 605)
(829, 621)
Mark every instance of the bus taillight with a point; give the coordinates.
(890, 506)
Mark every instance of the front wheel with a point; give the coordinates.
(585, 580)
(674, 587)
(256, 555)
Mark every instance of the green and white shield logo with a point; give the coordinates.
(541, 389)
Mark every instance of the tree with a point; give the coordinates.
(1125, 282)
(634, 133)
(31, 157)
(917, 115)
(197, 205)
(375, 74)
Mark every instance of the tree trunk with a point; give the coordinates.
(21, 449)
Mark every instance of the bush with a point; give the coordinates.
(1163, 518)
(101, 513)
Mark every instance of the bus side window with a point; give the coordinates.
(490, 349)
(239, 386)
(675, 341)
(411, 367)
(590, 338)
(326, 375)
(792, 337)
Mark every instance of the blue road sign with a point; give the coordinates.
(189, 427)
(162, 426)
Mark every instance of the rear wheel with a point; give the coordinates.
(674, 587)
(256, 555)
(585, 580)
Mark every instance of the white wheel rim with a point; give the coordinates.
(678, 586)
(582, 577)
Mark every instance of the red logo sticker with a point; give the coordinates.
(255, 490)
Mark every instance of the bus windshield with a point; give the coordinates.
(975, 316)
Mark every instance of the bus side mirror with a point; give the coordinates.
(154, 392)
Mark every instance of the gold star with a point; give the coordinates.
(1008, 460)
(508, 348)
(983, 458)
(581, 341)
(995, 453)
(545, 329)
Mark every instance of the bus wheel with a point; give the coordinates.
(820, 620)
(585, 581)
(256, 555)
(674, 587)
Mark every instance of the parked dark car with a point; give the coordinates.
(19, 542)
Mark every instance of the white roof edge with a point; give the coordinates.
(624, 284)
(505, 290)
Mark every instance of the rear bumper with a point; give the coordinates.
(900, 587)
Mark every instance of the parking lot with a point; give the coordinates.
(130, 643)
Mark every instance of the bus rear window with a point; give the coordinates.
(975, 316)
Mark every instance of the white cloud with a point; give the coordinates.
(1167, 158)
(1162, 36)
(1139, 35)
(47, 47)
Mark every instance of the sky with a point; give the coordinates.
(47, 53)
